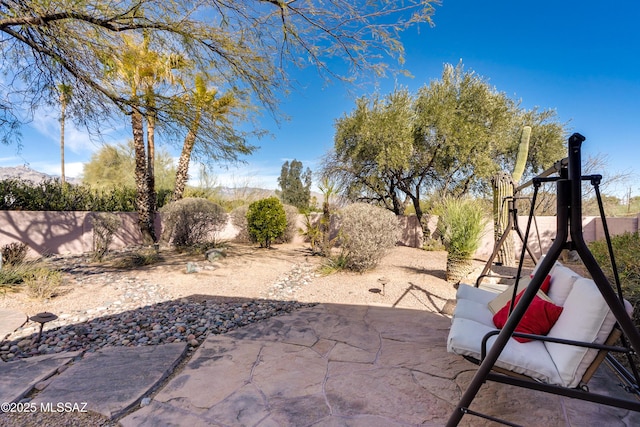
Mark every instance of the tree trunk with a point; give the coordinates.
(63, 111)
(182, 173)
(145, 215)
(151, 161)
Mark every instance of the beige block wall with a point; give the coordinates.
(72, 232)
(49, 233)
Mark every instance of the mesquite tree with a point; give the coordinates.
(249, 44)
(449, 138)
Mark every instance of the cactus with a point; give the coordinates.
(523, 153)
(503, 185)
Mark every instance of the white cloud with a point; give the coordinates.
(10, 161)
(242, 176)
(71, 170)
(76, 140)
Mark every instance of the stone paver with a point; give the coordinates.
(330, 365)
(336, 365)
(10, 320)
(17, 378)
(111, 380)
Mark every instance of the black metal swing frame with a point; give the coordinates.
(569, 236)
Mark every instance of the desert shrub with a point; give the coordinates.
(626, 247)
(266, 220)
(14, 253)
(11, 275)
(239, 221)
(42, 282)
(312, 232)
(104, 226)
(138, 258)
(291, 214)
(461, 224)
(367, 234)
(334, 264)
(38, 280)
(192, 222)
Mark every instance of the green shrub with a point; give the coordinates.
(461, 224)
(192, 222)
(266, 221)
(626, 248)
(104, 226)
(53, 195)
(334, 264)
(367, 233)
(11, 275)
(14, 253)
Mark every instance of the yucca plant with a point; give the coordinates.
(461, 224)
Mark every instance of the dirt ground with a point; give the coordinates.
(406, 277)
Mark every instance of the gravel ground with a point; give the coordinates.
(144, 313)
(162, 303)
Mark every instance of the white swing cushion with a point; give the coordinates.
(585, 317)
(563, 278)
(472, 320)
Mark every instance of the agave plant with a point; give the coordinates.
(461, 224)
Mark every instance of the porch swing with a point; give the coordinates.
(591, 320)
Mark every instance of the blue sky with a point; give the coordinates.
(581, 58)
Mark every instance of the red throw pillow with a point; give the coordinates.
(546, 284)
(538, 319)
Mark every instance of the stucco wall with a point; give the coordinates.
(72, 232)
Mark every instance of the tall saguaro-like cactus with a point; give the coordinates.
(503, 192)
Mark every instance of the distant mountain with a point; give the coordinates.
(25, 173)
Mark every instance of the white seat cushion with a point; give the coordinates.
(531, 358)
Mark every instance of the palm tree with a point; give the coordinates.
(141, 70)
(65, 95)
(200, 101)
